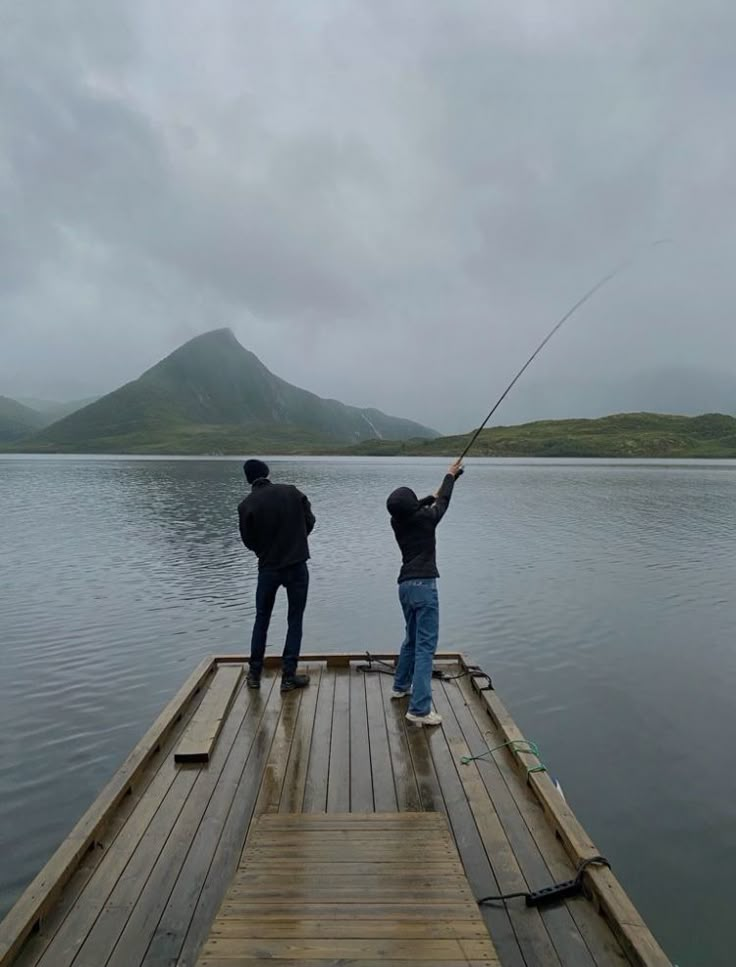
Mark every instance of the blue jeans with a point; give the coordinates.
(420, 604)
(296, 581)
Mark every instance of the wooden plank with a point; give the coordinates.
(413, 910)
(42, 893)
(445, 867)
(441, 867)
(405, 780)
(330, 822)
(282, 896)
(159, 937)
(335, 948)
(541, 855)
(199, 739)
(247, 882)
(176, 880)
(272, 782)
(468, 841)
(339, 962)
(93, 944)
(114, 843)
(361, 777)
(430, 792)
(630, 930)
(384, 790)
(136, 900)
(422, 926)
(338, 821)
(318, 769)
(292, 797)
(350, 883)
(337, 837)
(529, 928)
(332, 846)
(349, 929)
(91, 903)
(338, 783)
(364, 853)
(192, 919)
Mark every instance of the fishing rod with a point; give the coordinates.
(558, 325)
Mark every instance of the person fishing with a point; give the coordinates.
(414, 523)
(275, 522)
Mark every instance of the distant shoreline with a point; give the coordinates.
(628, 436)
(264, 454)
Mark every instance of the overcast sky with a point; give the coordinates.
(389, 202)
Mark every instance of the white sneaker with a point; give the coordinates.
(397, 693)
(431, 718)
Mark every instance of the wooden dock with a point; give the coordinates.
(319, 828)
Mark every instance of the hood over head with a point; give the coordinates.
(403, 502)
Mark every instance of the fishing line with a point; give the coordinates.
(558, 325)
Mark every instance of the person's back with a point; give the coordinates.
(414, 523)
(275, 521)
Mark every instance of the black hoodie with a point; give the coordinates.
(414, 522)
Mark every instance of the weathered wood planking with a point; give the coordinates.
(201, 734)
(539, 851)
(47, 886)
(397, 878)
(628, 926)
(167, 854)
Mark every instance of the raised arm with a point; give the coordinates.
(442, 496)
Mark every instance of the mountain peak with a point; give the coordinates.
(213, 393)
(222, 337)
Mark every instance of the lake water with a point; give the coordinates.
(600, 596)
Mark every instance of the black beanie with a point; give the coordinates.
(255, 469)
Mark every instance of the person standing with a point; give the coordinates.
(414, 523)
(275, 521)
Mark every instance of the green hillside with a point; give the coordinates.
(53, 410)
(17, 420)
(624, 435)
(212, 395)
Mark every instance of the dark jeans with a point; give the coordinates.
(295, 579)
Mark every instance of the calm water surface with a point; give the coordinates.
(601, 597)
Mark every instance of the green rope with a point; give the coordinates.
(522, 746)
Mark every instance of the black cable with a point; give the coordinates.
(378, 665)
(501, 897)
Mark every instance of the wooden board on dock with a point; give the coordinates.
(140, 880)
(201, 733)
(278, 867)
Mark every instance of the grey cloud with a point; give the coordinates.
(389, 203)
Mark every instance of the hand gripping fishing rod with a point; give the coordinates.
(558, 325)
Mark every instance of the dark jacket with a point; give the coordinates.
(414, 522)
(275, 520)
